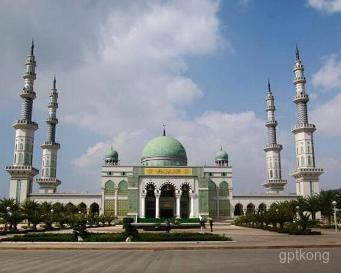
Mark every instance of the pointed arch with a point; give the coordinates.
(109, 188)
(224, 189)
(123, 188)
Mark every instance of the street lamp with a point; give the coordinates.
(335, 210)
(297, 212)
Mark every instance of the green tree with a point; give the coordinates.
(11, 213)
(60, 214)
(32, 212)
(326, 199)
(47, 214)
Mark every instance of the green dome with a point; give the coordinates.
(164, 151)
(221, 155)
(111, 154)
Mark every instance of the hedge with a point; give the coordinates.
(118, 237)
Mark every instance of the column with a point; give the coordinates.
(157, 203)
(116, 197)
(178, 196)
(143, 204)
(191, 195)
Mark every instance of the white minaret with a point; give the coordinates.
(22, 172)
(48, 182)
(274, 183)
(306, 173)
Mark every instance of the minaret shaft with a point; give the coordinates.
(22, 171)
(306, 173)
(48, 182)
(274, 183)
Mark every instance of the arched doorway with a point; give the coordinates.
(184, 201)
(250, 208)
(167, 201)
(262, 207)
(94, 208)
(238, 209)
(82, 208)
(150, 201)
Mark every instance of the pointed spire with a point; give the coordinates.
(221, 147)
(164, 129)
(297, 53)
(32, 47)
(269, 86)
(54, 82)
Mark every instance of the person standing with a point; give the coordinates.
(211, 224)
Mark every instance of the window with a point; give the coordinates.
(270, 173)
(302, 161)
(309, 160)
(223, 174)
(109, 173)
(123, 188)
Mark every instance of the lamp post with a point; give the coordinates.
(297, 212)
(335, 210)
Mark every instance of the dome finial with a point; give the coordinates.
(221, 147)
(164, 129)
(54, 82)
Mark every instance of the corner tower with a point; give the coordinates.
(274, 183)
(48, 182)
(22, 172)
(306, 173)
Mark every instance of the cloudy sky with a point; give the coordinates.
(126, 67)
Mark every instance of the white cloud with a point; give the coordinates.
(329, 6)
(329, 75)
(328, 116)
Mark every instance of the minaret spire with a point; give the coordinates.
(164, 129)
(32, 47)
(297, 53)
(22, 171)
(274, 183)
(306, 173)
(48, 182)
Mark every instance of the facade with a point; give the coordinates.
(164, 185)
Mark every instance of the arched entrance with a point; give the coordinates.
(250, 208)
(184, 201)
(150, 201)
(82, 207)
(94, 208)
(238, 209)
(167, 201)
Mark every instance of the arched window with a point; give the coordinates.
(109, 188)
(123, 188)
(302, 161)
(271, 175)
(21, 146)
(20, 158)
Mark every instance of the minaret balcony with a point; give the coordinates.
(270, 108)
(28, 94)
(307, 172)
(273, 147)
(48, 181)
(51, 120)
(301, 98)
(21, 170)
(303, 127)
(50, 145)
(53, 105)
(271, 123)
(29, 75)
(25, 124)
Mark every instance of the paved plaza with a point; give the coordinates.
(105, 261)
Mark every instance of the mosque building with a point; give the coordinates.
(164, 185)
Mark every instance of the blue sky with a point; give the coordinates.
(199, 66)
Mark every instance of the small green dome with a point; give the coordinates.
(164, 151)
(111, 154)
(221, 155)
